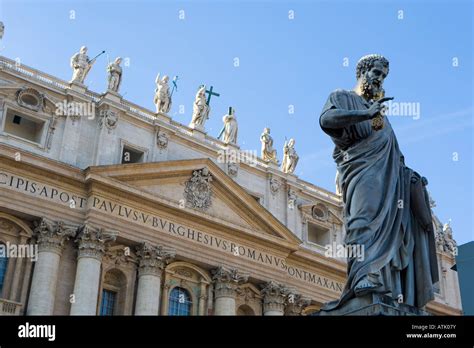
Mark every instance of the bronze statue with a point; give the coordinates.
(386, 205)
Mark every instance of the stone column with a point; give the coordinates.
(226, 282)
(152, 261)
(296, 304)
(14, 293)
(164, 299)
(274, 298)
(50, 237)
(202, 299)
(91, 244)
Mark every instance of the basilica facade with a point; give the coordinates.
(128, 212)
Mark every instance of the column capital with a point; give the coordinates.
(153, 258)
(296, 303)
(51, 235)
(274, 296)
(92, 241)
(226, 281)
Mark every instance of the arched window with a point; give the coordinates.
(245, 310)
(3, 267)
(180, 302)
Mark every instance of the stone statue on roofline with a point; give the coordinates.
(290, 157)
(114, 78)
(81, 65)
(268, 152)
(200, 109)
(162, 99)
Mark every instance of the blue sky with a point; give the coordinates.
(282, 62)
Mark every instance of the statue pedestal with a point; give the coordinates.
(78, 87)
(290, 177)
(163, 117)
(375, 304)
(113, 96)
(231, 148)
(273, 165)
(198, 131)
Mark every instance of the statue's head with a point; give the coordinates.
(291, 143)
(266, 130)
(371, 72)
(118, 60)
(165, 79)
(83, 50)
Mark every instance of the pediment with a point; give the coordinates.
(229, 202)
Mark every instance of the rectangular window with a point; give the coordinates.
(131, 155)
(318, 235)
(108, 302)
(24, 127)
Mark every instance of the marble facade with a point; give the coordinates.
(240, 241)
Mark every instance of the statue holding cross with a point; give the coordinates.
(201, 107)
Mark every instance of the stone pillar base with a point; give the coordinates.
(77, 86)
(375, 304)
(113, 96)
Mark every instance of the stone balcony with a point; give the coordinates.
(8, 307)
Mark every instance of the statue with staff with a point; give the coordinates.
(229, 132)
(81, 65)
(163, 95)
(290, 157)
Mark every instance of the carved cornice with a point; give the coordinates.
(51, 235)
(92, 241)
(226, 281)
(153, 259)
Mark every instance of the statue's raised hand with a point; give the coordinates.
(376, 108)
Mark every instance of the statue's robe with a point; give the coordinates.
(230, 130)
(386, 209)
(268, 152)
(200, 112)
(290, 159)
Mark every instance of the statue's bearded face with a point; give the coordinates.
(372, 80)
